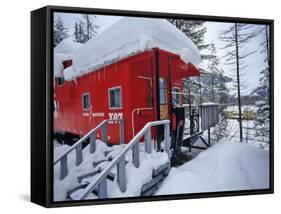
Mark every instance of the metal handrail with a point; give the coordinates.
(198, 105)
(100, 181)
(78, 145)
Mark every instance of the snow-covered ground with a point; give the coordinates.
(249, 133)
(228, 165)
(223, 167)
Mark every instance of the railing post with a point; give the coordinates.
(79, 155)
(209, 136)
(136, 154)
(167, 139)
(208, 116)
(218, 114)
(147, 139)
(121, 131)
(212, 115)
(205, 117)
(104, 133)
(93, 143)
(121, 174)
(63, 167)
(102, 189)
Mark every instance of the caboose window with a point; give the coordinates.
(60, 81)
(176, 96)
(162, 90)
(86, 101)
(115, 98)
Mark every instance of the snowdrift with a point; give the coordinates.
(223, 167)
(128, 37)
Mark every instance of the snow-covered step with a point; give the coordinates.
(110, 176)
(69, 193)
(125, 168)
(98, 162)
(158, 175)
(163, 169)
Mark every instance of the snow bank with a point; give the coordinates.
(63, 51)
(223, 167)
(130, 36)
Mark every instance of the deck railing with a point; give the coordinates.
(209, 113)
(91, 135)
(99, 182)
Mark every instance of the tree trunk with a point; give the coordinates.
(267, 45)
(213, 92)
(238, 85)
(88, 28)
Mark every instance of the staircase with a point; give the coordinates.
(111, 173)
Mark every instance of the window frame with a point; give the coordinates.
(165, 91)
(176, 87)
(82, 96)
(60, 85)
(109, 99)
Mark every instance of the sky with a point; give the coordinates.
(250, 76)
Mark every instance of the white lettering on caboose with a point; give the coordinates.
(115, 116)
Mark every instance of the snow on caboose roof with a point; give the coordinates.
(63, 51)
(67, 46)
(128, 37)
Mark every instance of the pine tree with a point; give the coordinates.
(215, 90)
(213, 69)
(60, 31)
(80, 32)
(223, 94)
(76, 32)
(263, 109)
(85, 29)
(90, 30)
(236, 37)
(195, 30)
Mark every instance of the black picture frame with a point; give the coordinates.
(41, 107)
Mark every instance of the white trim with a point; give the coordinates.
(85, 114)
(180, 93)
(175, 87)
(113, 88)
(143, 77)
(82, 95)
(98, 114)
(55, 106)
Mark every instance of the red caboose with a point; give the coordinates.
(141, 83)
